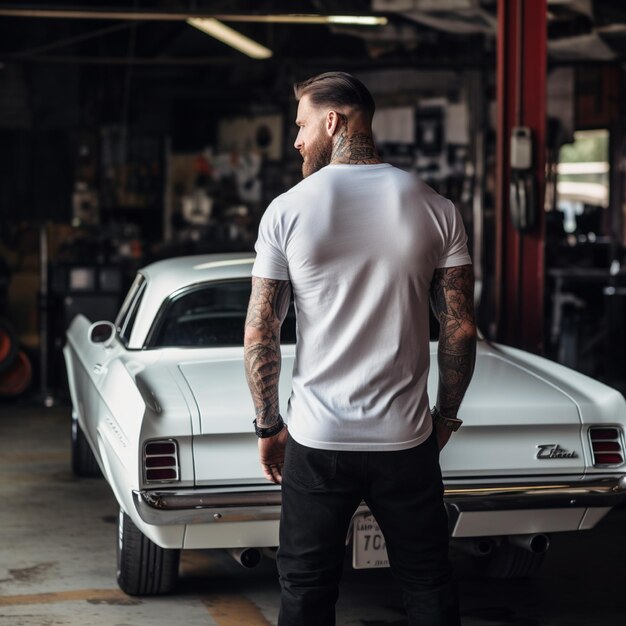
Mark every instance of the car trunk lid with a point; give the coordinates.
(515, 423)
(225, 446)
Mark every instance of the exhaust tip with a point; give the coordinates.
(246, 557)
(537, 544)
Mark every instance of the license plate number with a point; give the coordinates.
(369, 549)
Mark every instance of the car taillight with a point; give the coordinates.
(160, 461)
(607, 447)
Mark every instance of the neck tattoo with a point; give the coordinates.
(354, 148)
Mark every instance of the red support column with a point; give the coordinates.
(521, 101)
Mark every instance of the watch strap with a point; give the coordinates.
(453, 423)
(269, 431)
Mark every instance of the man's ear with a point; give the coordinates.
(332, 122)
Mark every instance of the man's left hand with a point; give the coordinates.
(272, 456)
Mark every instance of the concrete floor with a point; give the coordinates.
(57, 560)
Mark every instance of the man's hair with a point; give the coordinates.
(336, 89)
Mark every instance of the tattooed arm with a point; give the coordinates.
(452, 301)
(269, 302)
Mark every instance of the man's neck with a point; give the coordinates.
(353, 147)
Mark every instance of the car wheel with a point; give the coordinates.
(143, 568)
(83, 460)
(509, 561)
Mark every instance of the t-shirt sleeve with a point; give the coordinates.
(271, 260)
(455, 250)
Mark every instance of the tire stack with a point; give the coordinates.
(16, 371)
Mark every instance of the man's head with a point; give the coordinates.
(326, 103)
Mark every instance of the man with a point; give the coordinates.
(362, 245)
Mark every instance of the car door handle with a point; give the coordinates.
(98, 368)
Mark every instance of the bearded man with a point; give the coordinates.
(362, 246)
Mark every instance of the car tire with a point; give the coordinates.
(143, 568)
(509, 561)
(84, 462)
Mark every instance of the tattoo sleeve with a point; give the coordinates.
(452, 301)
(269, 302)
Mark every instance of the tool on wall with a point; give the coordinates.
(523, 205)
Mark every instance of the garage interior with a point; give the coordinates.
(128, 134)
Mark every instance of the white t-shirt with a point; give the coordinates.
(359, 244)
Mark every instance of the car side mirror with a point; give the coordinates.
(101, 332)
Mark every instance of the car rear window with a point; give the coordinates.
(211, 315)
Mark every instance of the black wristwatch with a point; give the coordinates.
(270, 431)
(453, 423)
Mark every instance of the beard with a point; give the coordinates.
(317, 155)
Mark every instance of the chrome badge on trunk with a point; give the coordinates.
(551, 451)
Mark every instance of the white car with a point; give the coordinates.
(162, 409)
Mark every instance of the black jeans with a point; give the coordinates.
(321, 490)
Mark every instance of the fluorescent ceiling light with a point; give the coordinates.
(230, 37)
(303, 18)
(168, 16)
(359, 20)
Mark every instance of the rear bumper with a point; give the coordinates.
(591, 492)
(522, 509)
(463, 501)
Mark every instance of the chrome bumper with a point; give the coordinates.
(218, 505)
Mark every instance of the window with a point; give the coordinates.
(583, 180)
(211, 315)
(128, 313)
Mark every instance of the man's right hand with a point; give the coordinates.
(272, 455)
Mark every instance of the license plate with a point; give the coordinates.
(368, 544)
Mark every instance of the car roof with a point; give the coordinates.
(187, 270)
(169, 275)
